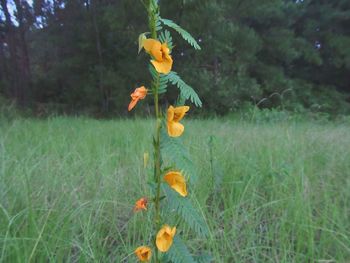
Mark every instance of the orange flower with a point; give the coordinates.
(143, 253)
(164, 238)
(161, 53)
(176, 181)
(139, 94)
(141, 204)
(175, 115)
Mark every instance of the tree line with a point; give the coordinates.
(71, 56)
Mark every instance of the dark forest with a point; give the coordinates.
(71, 56)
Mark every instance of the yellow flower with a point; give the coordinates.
(164, 238)
(141, 204)
(143, 253)
(175, 128)
(161, 53)
(139, 94)
(176, 181)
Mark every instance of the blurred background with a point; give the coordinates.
(270, 146)
(80, 56)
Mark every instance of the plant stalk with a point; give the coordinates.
(157, 154)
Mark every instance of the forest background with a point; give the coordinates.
(80, 56)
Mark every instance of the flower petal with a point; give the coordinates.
(156, 52)
(132, 104)
(170, 113)
(179, 112)
(149, 43)
(163, 67)
(177, 182)
(153, 47)
(165, 49)
(140, 92)
(175, 129)
(164, 238)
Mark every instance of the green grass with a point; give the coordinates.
(68, 185)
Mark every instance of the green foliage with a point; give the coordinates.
(251, 50)
(162, 84)
(165, 37)
(183, 207)
(175, 154)
(184, 34)
(179, 253)
(186, 91)
(169, 152)
(158, 79)
(158, 23)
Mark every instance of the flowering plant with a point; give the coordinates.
(170, 205)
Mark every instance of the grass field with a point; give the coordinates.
(68, 185)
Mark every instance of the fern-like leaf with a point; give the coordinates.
(158, 22)
(153, 72)
(178, 252)
(183, 207)
(158, 79)
(186, 91)
(165, 37)
(175, 154)
(163, 84)
(185, 35)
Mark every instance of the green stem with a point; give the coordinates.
(157, 171)
(157, 161)
(157, 154)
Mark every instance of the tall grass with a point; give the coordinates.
(276, 192)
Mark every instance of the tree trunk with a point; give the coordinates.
(3, 68)
(104, 92)
(24, 64)
(10, 39)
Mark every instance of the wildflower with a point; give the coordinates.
(175, 128)
(143, 253)
(162, 60)
(165, 237)
(139, 94)
(176, 181)
(141, 204)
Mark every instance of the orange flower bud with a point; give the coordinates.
(141, 204)
(143, 253)
(139, 94)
